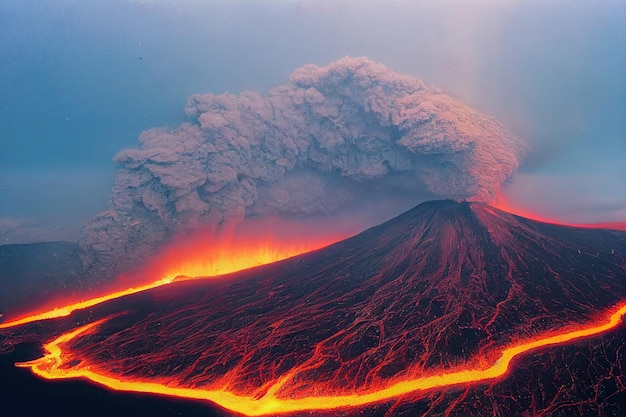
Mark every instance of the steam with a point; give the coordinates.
(312, 146)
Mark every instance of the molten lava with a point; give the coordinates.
(54, 365)
(432, 303)
(201, 256)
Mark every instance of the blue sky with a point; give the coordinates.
(80, 80)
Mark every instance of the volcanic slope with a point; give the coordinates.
(445, 286)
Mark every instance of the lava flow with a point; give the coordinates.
(202, 256)
(440, 299)
(50, 366)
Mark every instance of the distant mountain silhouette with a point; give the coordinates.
(36, 272)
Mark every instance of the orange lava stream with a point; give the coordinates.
(198, 259)
(505, 204)
(68, 309)
(51, 366)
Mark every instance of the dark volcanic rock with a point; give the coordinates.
(446, 284)
(36, 271)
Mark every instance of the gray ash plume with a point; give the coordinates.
(312, 146)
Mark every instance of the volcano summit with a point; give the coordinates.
(449, 309)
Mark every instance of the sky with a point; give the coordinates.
(80, 80)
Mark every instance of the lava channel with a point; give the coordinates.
(445, 295)
(54, 365)
(199, 258)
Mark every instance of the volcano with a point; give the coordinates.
(448, 309)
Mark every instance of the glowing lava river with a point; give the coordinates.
(202, 258)
(51, 367)
(431, 313)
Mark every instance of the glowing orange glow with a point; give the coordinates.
(203, 256)
(505, 204)
(219, 254)
(608, 225)
(68, 309)
(53, 366)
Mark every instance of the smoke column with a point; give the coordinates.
(313, 146)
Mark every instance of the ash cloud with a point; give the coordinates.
(312, 146)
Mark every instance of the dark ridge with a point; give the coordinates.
(38, 271)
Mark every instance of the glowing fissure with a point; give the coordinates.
(68, 309)
(200, 259)
(505, 204)
(52, 366)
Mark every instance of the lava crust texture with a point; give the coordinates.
(443, 287)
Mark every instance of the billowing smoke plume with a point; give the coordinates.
(310, 146)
